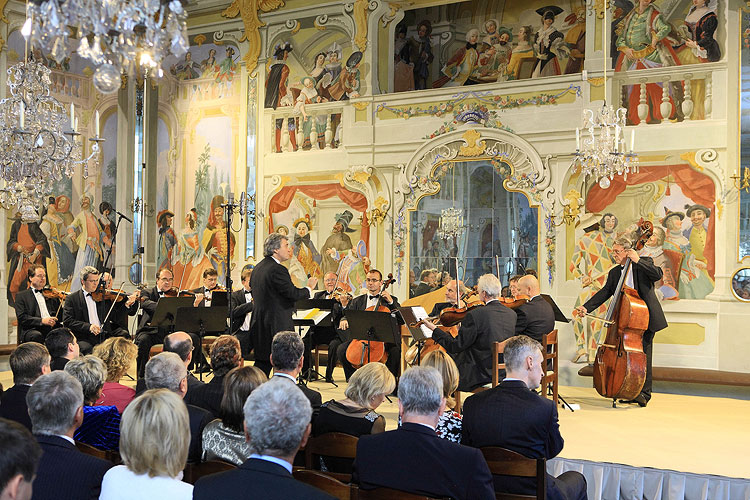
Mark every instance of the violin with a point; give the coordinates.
(176, 292)
(513, 303)
(53, 293)
(361, 352)
(112, 294)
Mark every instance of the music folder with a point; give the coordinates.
(412, 315)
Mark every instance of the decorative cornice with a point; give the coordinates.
(248, 10)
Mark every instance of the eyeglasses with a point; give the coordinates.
(166, 279)
(93, 280)
(371, 280)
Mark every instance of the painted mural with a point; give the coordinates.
(680, 201)
(742, 173)
(469, 43)
(252, 130)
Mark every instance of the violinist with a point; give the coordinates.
(427, 279)
(35, 312)
(452, 298)
(514, 288)
(472, 348)
(125, 304)
(642, 277)
(374, 283)
(330, 335)
(535, 318)
(210, 283)
(85, 316)
(242, 307)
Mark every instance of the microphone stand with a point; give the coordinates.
(112, 244)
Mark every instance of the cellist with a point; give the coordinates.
(642, 278)
(374, 283)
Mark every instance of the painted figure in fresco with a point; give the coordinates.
(337, 243)
(167, 240)
(346, 84)
(108, 231)
(215, 238)
(702, 23)
(88, 233)
(576, 40)
(494, 59)
(591, 262)
(521, 53)
(277, 93)
(493, 36)
(27, 245)
(353, 268)
(695, 282)
(282, 229)
(62, 205)
(420, 54)
(187, 69)
(403, 68)
(666, 287)
(208, 65)
(192, 260)
(548, 44)
(319, 67)
(309, 95)
(304, 249)
(61, 261)
(227, 68)
(459, 67)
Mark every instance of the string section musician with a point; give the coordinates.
(36, 313)
(330, 335)
(374, 283)
(535, 318)
(642, 276)
(242, 307)
(210, 283)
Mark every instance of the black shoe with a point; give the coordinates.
(329, 380)
(640, 400)
(203, 369)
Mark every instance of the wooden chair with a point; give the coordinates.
(193, 472)
(109, 455)
(497, 350)
(386, 494)
(549, 343)
(317, 350)
(324, 482)
(7, 349)
(155, 349)
(510, 463)
(331, 444)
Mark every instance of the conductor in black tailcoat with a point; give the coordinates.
(274, 295)
(644, 275)
(483, 325)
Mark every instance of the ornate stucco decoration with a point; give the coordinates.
(248, 9)
(360, 10)
(471, 148)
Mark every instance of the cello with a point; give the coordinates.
(361, 352)
(620, 363)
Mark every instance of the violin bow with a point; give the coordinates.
(119, 292)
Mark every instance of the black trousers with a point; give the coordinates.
(648, 345)
(149, 337)
(393, 361)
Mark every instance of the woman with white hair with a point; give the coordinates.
(154, 447)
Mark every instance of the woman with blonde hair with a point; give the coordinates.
(154, 441)
(118, 355)
(449, 425)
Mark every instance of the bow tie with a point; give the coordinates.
(87, 294)
(36, 291)
(370, 297)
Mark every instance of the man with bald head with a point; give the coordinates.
(181, 344)
(535, 318)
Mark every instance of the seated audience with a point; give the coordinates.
(167, 371)
(287, 358)
(277, 425)
(56, 410)
(224, 439)
(154, 447)
(101, 424)
(449, 424)
(27, 362)
(181, 344)
(118, 355)
(413, 458)
(225, 355)
(512, 416)
(18, 461)
(62, 346)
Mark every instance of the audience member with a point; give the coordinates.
(101, 424)
(18, 461)
(62, 346)
(277, 425)
(224, 439)
(181, 344)
(287, 358)
(413, 458)
(225, 355)
(28, 362)
(56, 411)
(513, 417)
(449, 424)
(154, 448)
(118, 355)
(167, 371)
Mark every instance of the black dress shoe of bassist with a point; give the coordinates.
(639, 400)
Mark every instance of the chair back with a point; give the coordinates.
(509, 463)
(497, 351)
(109, 455)
(388, 494)
(330, 444)
(193, 472)
(549, 342)
(324, 482)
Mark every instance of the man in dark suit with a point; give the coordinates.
(167, 371)
(242, 307)
(62, 346)
(56, 411)
(277, 425)
(181, 344)
(28, 362)
(535, 318)
(210, 283)
(426, 282)
(513, 417)
(85, 316)
(274, 295)
(35, 313)
(330, 335)
(642, 277)
(287, 353)
(18, 461)
(472, 348)
(225, 355)
(413, 458)
(371, 299)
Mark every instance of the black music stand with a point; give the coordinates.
(324, 305)
(166, 311)
(416, 331)
(201, 320)
(220, 298)
(560, 317)
(374, 326)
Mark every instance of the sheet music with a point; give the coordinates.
(316, 315)
(420, 314)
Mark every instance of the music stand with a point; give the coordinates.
(373, 326)
(324, 306)
(166, 311)
(417, 332)
(559, 316)
(219, 299)
(201, 320)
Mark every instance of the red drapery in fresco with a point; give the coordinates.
(695, 185)
(357, 201)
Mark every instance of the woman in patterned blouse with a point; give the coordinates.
(449, 425)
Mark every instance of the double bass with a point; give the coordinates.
(620, 363)
(361, 352)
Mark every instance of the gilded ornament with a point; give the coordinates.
(360, 22)
(471, 148)
(361, 106)
(361, 177)
(248, 10)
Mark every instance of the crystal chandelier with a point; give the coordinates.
(119, 36)
(38, 143)
(451, 223)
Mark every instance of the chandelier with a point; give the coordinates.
(451, 223)
(603, 154)
(118, 36)
(38, 143)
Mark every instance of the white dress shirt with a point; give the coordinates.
(91, 306)
(246, 324)
(39, 296)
